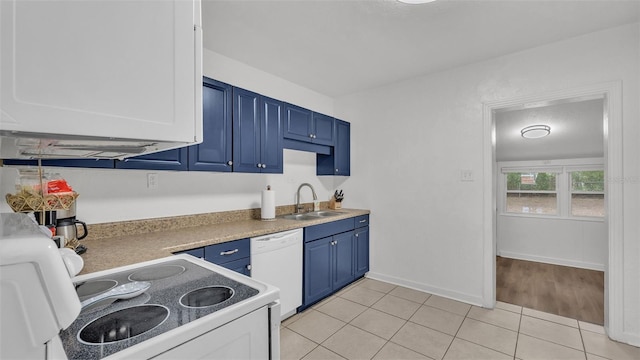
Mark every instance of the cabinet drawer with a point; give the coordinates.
(228, 251)
(323, 230)
(197, 252)
(362, 221)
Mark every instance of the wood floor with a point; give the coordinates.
(565, 291)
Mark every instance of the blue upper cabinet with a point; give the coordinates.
(323, 129)
(339, 161)
(272, 113)
(246, 131)
(298, 123)
(215, 151)
(257, 133)
(175, 159)
(304, 125)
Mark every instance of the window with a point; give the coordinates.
(532, 193)
(587, 193)
(566, 189)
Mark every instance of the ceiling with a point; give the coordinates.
(577, 131)
(341, 47)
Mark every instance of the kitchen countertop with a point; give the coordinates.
(107, 253)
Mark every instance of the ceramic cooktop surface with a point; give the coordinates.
(180, 292)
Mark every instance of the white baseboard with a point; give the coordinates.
(446, 293)
(550, 260)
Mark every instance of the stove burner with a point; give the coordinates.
(91, 288)
(207, 296)
(157, 272)
(123, 324)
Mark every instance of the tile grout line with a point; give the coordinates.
(582, 340)
(455, 336)
(515, 350)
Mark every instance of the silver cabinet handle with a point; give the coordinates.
(229, 162)
(264, 166)
(311, 136)
(336, 170)
(259, 165)
(363, 221)
(314, 136)
(249, 267)
(230, 252)
(357, 235)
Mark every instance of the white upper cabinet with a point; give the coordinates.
(110, 73)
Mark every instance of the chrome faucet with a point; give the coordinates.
(315, 197)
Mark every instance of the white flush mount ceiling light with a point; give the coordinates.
(413, 2)
(535, 131)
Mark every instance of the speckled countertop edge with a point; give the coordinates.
(107, 253)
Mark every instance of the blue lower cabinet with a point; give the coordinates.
(328, 266)
(242, 266)
(343, 251)
(335, 255)
(361, 253)
(233, 255)
(198, 252)
(318, 270)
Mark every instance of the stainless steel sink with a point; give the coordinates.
(324, 213)
(312, 215)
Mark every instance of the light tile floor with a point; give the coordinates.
(371, 319)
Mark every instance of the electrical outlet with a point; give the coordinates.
(466, 175)
(152, 181)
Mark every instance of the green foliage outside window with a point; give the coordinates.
(588, 181)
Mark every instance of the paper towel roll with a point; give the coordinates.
(268, 211)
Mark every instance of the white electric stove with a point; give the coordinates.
(191, 308)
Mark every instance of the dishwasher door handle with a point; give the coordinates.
(273, 238)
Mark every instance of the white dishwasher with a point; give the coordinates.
(276, 259)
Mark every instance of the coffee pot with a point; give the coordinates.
(68, 229)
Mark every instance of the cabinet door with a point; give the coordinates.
(175, 159)
(298, 123)
(343, 259)
(323, 129)
(215, 151)
(343, 148)
(246, 131)
(361, 245)
(242, 266)
(338, 162)
(103, 68)
(271, 135)
(318, 269)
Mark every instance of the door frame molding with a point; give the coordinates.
(612, 126)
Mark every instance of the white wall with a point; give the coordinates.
(120, 195)
(427, 225)
(568, 242)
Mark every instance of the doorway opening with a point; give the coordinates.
(612, 167)
(551, 237)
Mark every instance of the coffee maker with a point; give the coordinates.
(65, 222)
